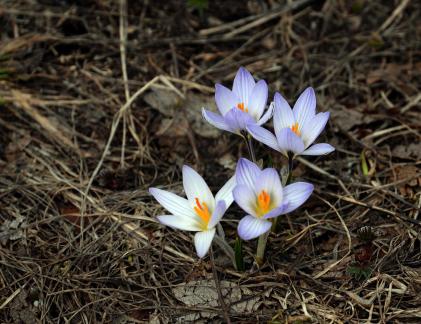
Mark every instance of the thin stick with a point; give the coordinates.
(218, 288)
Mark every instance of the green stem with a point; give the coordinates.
(250, 148)
(261, 246)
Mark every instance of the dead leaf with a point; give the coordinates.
(411, 151)
(203, 293)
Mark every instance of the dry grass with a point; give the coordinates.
(81, 144)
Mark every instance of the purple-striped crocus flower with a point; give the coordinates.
(260, 194)
(241, 106)
(295, 129)
(200, 212)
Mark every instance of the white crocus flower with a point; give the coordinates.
(200, 212)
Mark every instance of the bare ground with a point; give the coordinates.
(100, 100)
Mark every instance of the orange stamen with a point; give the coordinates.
(295, 129)
(202, 211)
(263, 202)
(241, 107)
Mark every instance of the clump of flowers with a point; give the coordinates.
(259, 192)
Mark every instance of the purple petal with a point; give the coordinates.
(238, 120)
(268, 114)
(305, 107)
(296, 194)
(319, 149)
(270, 182)
(247, 173)
(245, 198)
(282, 116)
(257, 100)
(288, 141)
(203, 241)
(243, 85)
(217, 214)
(225, 99)
(276, 211)
(215, 120)
(181, 223)
(313, 128)
(263, 135)
(251, 227)
(225, 193)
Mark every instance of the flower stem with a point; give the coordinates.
(250, 148)
(226, 248)
(261, 246)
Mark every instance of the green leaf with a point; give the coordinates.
(364, 166)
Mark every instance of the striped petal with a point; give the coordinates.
(245, 198)
(225, 99)
(203, 241)
(247, 173)
(243, 85)
(196, 187)
(296, 194)
(173, 203)
(238, 120)
(319, 149)
(225, 193)
(251, 227)
(257, 100)
(283, 116)
(270, 182)
(276, 211)
(288, 141)
(312, 129)
(305, 107)
(264, 136)
(181, 223)
(217, 214)
(268, 115)
(215, 120)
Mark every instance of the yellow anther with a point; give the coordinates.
(295, 129)
(263, 202)
(202, 211)
(241, 107)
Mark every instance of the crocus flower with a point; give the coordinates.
(243, 105)
(295, 129)
(260, 194)
(200, 212)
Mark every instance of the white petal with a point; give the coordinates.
(247, 173)
(196, 187)
(245, 198)
(225, 99)
(225, 193)
(215, 120)
(257, 100)
(296, 194)
(173, 203)
(270, 182)
(305, 107)
(319, 149)
(282, 115)
(217, 213)
(268, 115)
(313, 128)
(251, 227)
(288, 141)
(264, 136)
(203, 241)
(178, 222)
(243, 85)
(276, 211)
